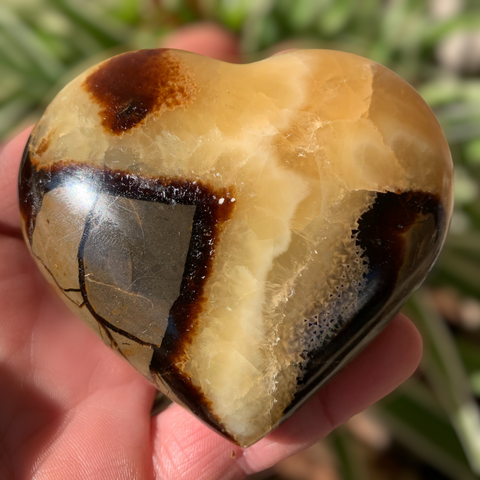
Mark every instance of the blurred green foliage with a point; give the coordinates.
(434, 44)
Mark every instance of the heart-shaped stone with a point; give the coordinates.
(236, 232)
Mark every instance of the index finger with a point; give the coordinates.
(10, 157)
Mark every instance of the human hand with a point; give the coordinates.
(70, 408)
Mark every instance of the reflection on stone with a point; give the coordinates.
(237, 233)
(134, 256)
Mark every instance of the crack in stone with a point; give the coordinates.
(126, 292)
(63, 290)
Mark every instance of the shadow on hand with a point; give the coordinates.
(29, 424)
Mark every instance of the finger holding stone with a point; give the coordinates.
(208, 39)
(10, 157)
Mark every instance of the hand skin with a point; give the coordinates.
(71, 409)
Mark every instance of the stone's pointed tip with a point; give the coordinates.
(237, 233)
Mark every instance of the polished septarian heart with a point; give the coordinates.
(236, 232)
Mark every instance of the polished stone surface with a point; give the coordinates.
(236, 232)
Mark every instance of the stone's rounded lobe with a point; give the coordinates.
(237, 233)
(133, 85)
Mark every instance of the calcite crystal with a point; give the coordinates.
(236, 232)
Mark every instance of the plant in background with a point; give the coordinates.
(433, 419)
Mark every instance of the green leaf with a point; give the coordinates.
(30, 44)
(460, 270)
(438, 31)
(98, 26)
(472, 152)
(466, 245)
(128, 11)
(235, 12)
(348, 463)
(473, 210)
(12, 112)
(445, 90)
(470, 355)
(445, 373)
(304, 13)
(466, 188)
(336, 17)
(414, 419)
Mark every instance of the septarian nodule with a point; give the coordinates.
(236, 232)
